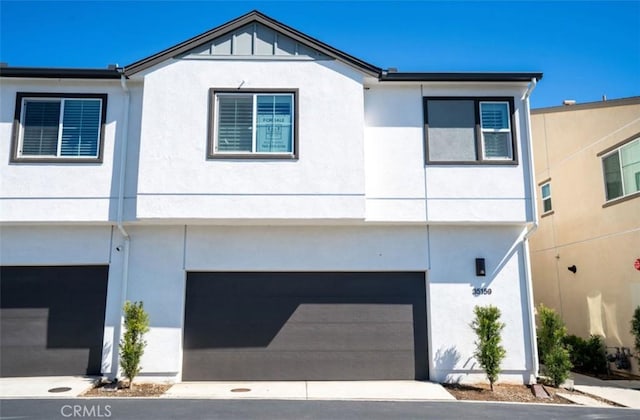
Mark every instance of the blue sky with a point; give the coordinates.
(586, 49)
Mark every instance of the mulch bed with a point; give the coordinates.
(138, 390)
(507, 392)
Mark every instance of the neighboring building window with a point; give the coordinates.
(59, 126)
(622, 170)
(469, 130)
(258, 124)
(546, 197)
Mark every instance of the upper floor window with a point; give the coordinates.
(545, 189)
(59, 127)
(254, 124)
(622, 170)
(469, 130)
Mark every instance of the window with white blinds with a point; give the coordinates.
(463, 130)
(254, 123)
(496, 130)
(59, 127)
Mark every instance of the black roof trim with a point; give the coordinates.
(59, 73)
(253, 16)
(458, 77)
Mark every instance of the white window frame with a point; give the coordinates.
(546, 198)
(502, 130)
(254, 95)
(23, 98)
(604, 178)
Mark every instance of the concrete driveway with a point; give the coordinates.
(313, 390)
(45, 386)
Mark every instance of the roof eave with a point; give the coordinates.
(458, 77)
(59, 73)
(253, 16)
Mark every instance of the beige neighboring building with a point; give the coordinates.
(587, 168)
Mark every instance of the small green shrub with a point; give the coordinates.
(551, 345)
(576, 347)
(596, 355)
(557, 365)
(489, 352)
(635, 327)
(589, 356)
(551, 331)
(136, 324)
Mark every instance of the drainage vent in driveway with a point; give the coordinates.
(240, 390)
(60, 389)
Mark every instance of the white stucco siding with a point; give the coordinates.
(452, 279)
(394, 162)
(394, 142)
(55, 245)
(161, 257)
(59, 192)
(398, 181)
(157, 277)
(304, 248)
(329, 171)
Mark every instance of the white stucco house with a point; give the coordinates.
(284, 210)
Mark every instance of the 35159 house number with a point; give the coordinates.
(479, 291)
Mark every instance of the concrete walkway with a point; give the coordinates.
(313, 390)
(45, 386)
(582, 400)
(625, 393)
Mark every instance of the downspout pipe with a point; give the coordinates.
(123, 156)
(532, 178)
(535, 363)
(120, 217)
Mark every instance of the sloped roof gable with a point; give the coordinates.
(259, 35)
(255, 40)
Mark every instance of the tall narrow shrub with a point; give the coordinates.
(489, 352)
(132, 344)
(551, 331)
(635, 327)
(557, 365)
(551, 344)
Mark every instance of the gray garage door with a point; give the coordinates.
(305, 326)
(52, 320)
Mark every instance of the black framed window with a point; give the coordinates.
(253, 124)
(59, 127)
(463, 130)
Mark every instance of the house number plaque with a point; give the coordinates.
(479, 291)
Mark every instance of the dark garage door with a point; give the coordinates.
(52, 320)
(304, 326)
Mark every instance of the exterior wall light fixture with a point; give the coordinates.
(480, 268)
